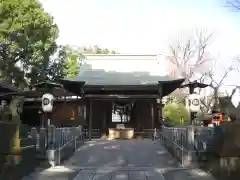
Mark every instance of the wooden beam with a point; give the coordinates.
(112, 97)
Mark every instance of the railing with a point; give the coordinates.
(53, 137)
(56, 144)
(64, 149)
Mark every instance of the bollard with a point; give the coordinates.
(58, 156)
(51, 157)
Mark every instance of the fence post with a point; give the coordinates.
(75, 143)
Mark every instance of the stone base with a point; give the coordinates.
(127, 133)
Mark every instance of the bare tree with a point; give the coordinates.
(233, 4)
(207, 101)
(191, 57)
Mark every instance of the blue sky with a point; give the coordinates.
(146, 26)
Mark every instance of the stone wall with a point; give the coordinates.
(7, 132)
(224, 159)
(15, 161)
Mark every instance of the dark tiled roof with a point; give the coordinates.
(102, 77)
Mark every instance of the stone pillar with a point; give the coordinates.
(16, 106)
(189, 156)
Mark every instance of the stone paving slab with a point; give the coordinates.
(120, 175)
(121, 160)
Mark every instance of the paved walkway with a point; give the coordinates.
(121, 160)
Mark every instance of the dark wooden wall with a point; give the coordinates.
(61, 115)
(144, 115)
(101, 114)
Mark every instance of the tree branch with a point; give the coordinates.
(186, 58)
(235, 4)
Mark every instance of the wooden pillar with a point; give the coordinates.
(160, 113)
(108, 113)
(90, 121)
(104, 120)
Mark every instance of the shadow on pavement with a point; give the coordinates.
(185, 174)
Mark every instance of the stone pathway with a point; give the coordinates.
(120, 160)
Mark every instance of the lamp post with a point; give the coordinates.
(47, 107)
(41, 118)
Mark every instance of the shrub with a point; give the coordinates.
(175, 114)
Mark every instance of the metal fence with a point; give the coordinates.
(53, 137)
(35, 143)
(69, 139)
(56, 144)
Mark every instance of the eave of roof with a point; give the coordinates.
(7, 88)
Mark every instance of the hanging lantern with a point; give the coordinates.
(194, 102)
